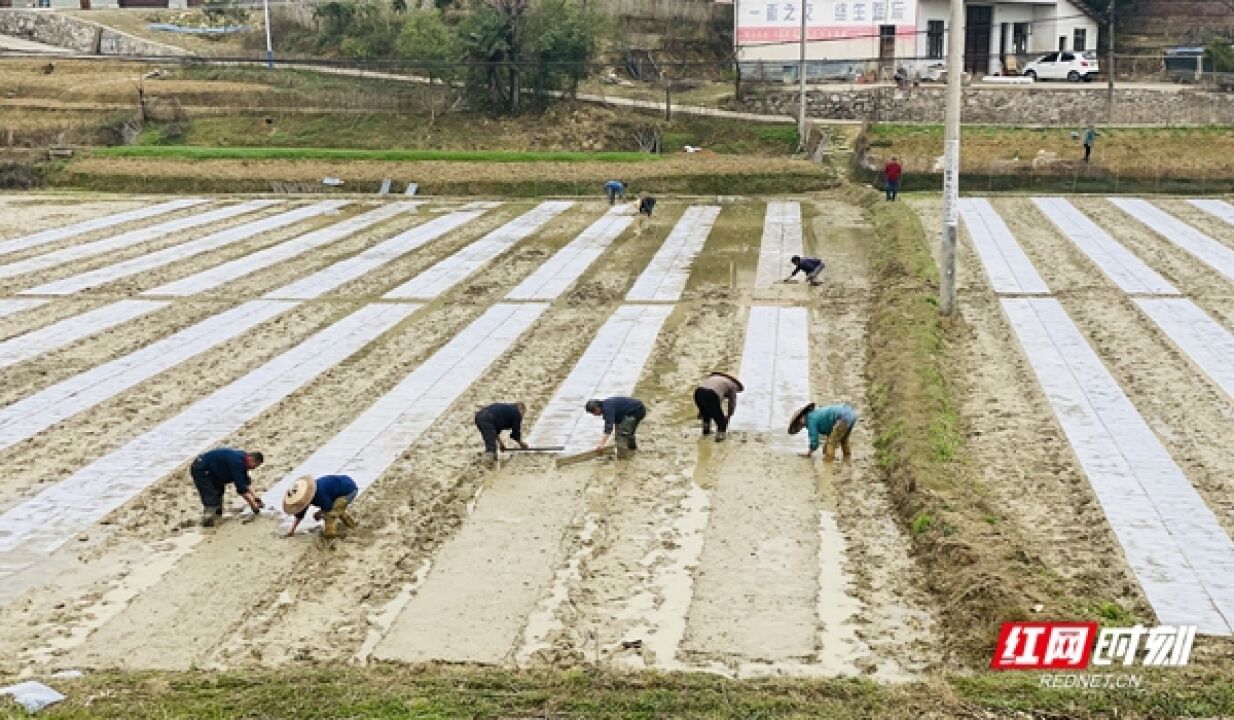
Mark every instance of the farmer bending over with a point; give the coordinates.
(835, 421)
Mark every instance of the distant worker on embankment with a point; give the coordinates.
(835, 421)
(708, 398)
(893, 171)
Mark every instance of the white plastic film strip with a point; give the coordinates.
(227, 272)
(12, 306)
(70, 330)
(46, 521)
(1008, 268)
(129, 239)
(664, 278)
(463, 264)
(1174, 544)
(611, 365)
(775, 369)
(1125, 269)
(1216, 208)
(31, 415)
(373, 441)
(1217, 256)
(342, 272)
(569, 263)
(101, 223)
(1209, 345)
(782, 239)
(176, 253)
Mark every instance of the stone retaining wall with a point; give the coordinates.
(1036, 105)
(52, 28)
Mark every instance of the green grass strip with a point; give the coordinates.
(188, 152)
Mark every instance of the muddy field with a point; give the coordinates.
(735, 558)
(738, 558)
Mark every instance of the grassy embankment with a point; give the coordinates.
(223, 154)
(189, 152)
(462, 692)
(975, 571)
(1139, 159)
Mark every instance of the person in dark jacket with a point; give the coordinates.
(622, 414)
(330, 494)
(646, 205)
(493, 419)
(812, 267)
(213, 471)
(709, 398)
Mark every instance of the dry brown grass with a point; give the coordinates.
(302, 171)
(1146, 152)
(111, 83)
(136, 22)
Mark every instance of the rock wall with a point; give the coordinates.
(1036, 105)
(81, 36)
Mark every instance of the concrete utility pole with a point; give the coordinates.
(269, 43)
(951, 155)
(1109, 90)
(801, 120)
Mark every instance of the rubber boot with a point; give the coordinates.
(706, 428)
(210, 516)
(331, 527)
(838, 431)
(720, 436)
(340, 511)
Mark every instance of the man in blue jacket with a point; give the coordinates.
(620, 413)
(615, 190)
(213, 471)
(812, 267)
(330, 494)
(836, 422)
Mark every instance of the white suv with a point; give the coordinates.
(1065, 65)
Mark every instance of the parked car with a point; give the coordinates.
(1065, 65)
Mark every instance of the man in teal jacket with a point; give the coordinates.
(835, 421)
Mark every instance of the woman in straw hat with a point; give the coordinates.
(330, 494)
(709, 397)
(835, 421)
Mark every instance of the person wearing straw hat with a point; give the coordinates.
(330, 494)
(811, 266)
(213, 471)
(835, 421)
(709, 397)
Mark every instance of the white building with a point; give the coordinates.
(846, 38)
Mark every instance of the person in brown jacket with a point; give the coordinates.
(709, 397)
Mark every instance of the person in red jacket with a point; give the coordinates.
(892, 172)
